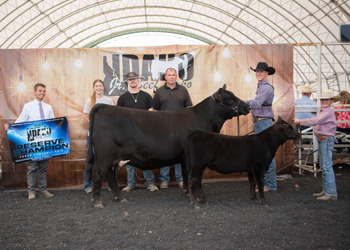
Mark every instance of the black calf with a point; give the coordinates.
(231, 154)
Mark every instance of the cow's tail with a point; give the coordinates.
(90, 158)
(187, 151)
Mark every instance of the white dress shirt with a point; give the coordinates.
(31, 112)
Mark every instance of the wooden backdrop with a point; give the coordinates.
(68, 87)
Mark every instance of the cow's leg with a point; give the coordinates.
(259, 179)
(97, 180)
(185, 177)
(113, 182)
(252, 187)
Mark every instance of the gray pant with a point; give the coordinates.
(35, 167)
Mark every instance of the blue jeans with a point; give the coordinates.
(148, 174)
(164, 174)
(326, 164)
(271, 181)
(88, 182)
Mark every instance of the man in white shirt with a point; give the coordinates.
(32, 111)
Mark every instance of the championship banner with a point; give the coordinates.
(39, 140)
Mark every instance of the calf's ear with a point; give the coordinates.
(224, 87)
(279, 119)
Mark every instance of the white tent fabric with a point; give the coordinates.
(85, 23)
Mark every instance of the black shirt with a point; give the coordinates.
(167, 99)
(144, 100)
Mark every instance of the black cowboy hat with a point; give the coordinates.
(264, 66)
(131, 75)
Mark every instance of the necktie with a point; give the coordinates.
(42, 116)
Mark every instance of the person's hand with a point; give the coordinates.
(6, 125)
(296, 121)
(68, 120)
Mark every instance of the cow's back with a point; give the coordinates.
(225, 154)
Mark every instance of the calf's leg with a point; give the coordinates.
(200, 193)
(259, 179)
(195, 179)
(252, 187)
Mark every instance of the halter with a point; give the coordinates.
(233, 108)
(294, 129)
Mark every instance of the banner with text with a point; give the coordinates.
(39, 140)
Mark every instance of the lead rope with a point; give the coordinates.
(142, 178)
(290, 164)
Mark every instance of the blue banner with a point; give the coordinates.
(39, 140)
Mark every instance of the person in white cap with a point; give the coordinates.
(324, 130)
(306, 91)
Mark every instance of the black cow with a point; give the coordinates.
(151, 140)
(233, 154)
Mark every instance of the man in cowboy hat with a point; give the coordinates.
(263, 114)
(136, 99)
(324, 130)
(306, 91)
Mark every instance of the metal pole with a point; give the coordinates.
(238, 125)
(319, 89)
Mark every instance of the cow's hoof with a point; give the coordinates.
(195, 206)
(99, 205)
(264, 203)
(254, 199)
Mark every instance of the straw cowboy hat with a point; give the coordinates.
(264, 66)
(305, 89)
(328, 94)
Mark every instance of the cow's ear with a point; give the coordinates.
(218, 96)
(224, 87)
(279, 119)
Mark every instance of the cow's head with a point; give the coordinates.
(286, 129)
(232, 103)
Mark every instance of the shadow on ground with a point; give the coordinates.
(165, 220)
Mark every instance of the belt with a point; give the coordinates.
(324, 137)
(259, 119)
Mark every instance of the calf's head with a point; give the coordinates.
(233, 105)
(286, 129)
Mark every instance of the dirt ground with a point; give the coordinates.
(294, 219)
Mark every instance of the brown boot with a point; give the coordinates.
(46, 195)
(327, 198)
(319, 194)
(31, 196)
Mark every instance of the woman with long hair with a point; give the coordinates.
(97, 97)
